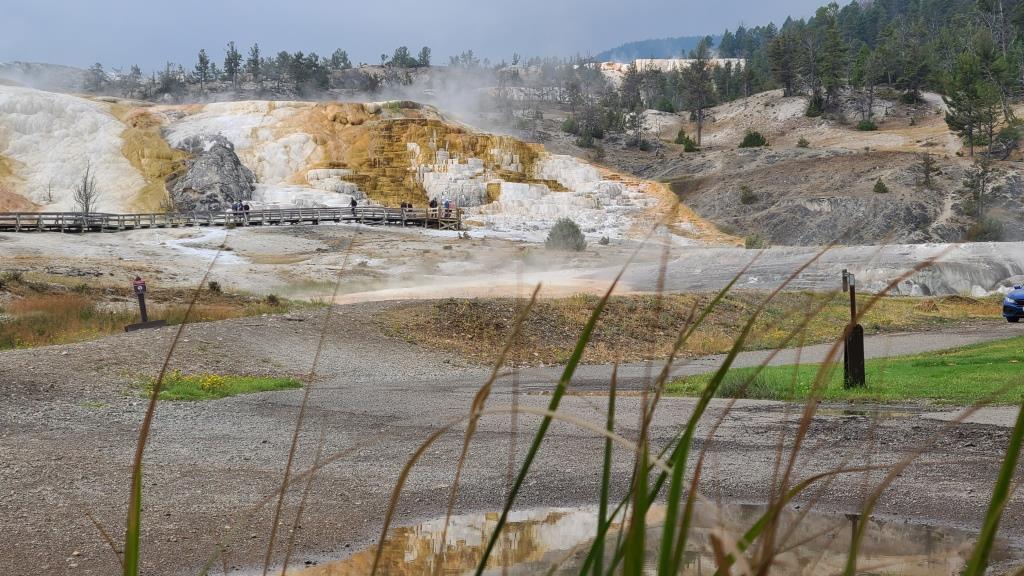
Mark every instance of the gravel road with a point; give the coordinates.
(69, 417)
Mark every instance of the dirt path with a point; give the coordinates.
(69, 416)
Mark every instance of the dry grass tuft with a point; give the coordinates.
(42, 319)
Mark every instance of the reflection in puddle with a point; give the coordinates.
(865, 412)
(536, 541)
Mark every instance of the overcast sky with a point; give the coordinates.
(124, 32)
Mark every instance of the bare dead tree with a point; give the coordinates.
(86, 195)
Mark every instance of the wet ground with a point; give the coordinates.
(557, 540)
(394, 263)
(69, 417)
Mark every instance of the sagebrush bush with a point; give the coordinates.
(689, 145)
(867, 126)
(747, 196)
(803, 143)
(753, 139)
(664, 105)
(754, 242)
(986, 230)
(565, 235)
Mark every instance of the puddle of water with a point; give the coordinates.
(866, 412)
(193, 247)
(536, 541)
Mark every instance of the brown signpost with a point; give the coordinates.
(139, 287)
(853, 351)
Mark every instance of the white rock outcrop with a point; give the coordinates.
(54, 138)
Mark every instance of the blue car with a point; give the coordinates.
(1013, 304)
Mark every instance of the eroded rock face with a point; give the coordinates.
(213, 179)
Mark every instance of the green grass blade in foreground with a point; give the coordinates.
(475, 411)
(556, 399)
(684, 335)
(1000, 497)
(606, 477)
(479, 401)
(666, 561)
(634, 553)
(301, 416)
(133, 524)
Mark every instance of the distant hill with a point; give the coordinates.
(652, 48)
(43, 76)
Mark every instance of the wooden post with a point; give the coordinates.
(853, 351)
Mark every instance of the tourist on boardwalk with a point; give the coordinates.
(353, 205)
(447, 208)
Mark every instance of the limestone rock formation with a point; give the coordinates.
(213, 179)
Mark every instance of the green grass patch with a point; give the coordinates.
(958, 376)
(192, 387)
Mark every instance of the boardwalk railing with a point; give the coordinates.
(439, 218)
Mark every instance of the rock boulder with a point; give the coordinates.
(213, 179)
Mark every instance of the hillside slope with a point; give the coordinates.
(824, 192)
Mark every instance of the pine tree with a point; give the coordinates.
(232, 63)
(833, 56)
(340, 61)
(782, 53)
(699, 86)
(423, 60)
(253, 65)
(95, 78)
(202, 71)
(972, 101)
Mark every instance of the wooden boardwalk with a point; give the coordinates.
(438, 218)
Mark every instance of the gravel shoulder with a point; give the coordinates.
(69, 416)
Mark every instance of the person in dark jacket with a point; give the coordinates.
(353, 205)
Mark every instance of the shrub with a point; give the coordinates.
(604, 241)
(215, 287)
(1006, 141)
(986, 230)
(880, 187)
(585, 140)
(9, 278)
(273, 300)
(570, 126)
(803, 143)
(565, 235)
(753, 139)
(747, 197)
(814, 109)
(754, 242)
(664, 105)
(689, 145)
(867, 126)
(911, 97)
(645, 145)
